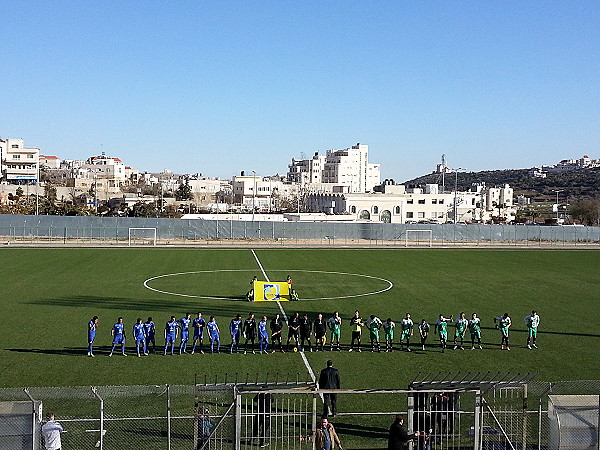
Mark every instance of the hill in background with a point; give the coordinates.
(576, 185)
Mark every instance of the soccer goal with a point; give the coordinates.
(418, 238)
(142, 236)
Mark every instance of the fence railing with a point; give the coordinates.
(231, 416)
(114, 230)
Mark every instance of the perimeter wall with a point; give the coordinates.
(115, 230)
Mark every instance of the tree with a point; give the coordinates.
(50, 193)
(587, 211)
(184, 191)
(144, 210)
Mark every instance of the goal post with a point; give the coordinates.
(144, 236)
(418, 237)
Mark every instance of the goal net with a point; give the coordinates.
(142, 236)
(418, 238)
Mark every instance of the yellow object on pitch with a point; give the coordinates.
(295, 349)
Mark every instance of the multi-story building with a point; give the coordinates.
(348, 167)
(397, 204)
(108, 169)
(261, 193)
(307, 171)
(19, 164)
(50, 162)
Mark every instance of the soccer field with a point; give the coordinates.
(49, 295)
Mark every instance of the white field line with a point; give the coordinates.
(310, 371)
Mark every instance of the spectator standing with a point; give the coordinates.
(329, 379)
(51, 432)
(398, 437)
(326, 438)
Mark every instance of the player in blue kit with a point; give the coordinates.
(198, 324)
(184, 326)
(150, 330)
(92, 326)
(139, 334)
(263, 335)
(118, 334)
(213, 335)
(235, 330)
(170, 334)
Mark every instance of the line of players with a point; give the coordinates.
(300, 330)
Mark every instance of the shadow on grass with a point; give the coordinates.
(361, 431)
(122, 303)
(68, 351)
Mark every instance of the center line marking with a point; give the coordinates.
(306, 363)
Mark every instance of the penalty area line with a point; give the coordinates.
(304, 358)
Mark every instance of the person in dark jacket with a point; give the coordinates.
(398, 437)
(329, 379)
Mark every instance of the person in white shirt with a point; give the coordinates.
(51, 432)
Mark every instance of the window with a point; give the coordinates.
(353, 209)
(421, 215)
(441, 201)
(409, 201)
(434, 201)
(422, 201)
(375, 209)
(16, 156)
(364, 214)
(14, 146)
(409, 215)
(30, 156)
(397, 210)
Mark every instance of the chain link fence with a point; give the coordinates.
(231, 416)
(116, 230)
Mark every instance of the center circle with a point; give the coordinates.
(387, 283)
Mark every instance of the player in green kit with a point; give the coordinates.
(406, 325)
(503, 323)
(441, 327)
(335, 325)
(475, 329)
(388, 328)
(532, 321)
(460, 328)
(374, 324)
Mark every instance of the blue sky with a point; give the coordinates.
(220, 87)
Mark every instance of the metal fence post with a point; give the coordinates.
(238, 419)
(95, 392)
(524, 439)
(168, 418)
(34, 445)
(477, 423)
(410, 399)
(314, 421)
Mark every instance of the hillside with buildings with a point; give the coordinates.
(574, 185)
(338, 185)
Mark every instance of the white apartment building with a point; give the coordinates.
(19, 164)
(351, 167)
(348, 167)
(396, 204)
(307, 171)
(50, 162)
(110, 170)
(262, 193)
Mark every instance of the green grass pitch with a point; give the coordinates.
(49, 294)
